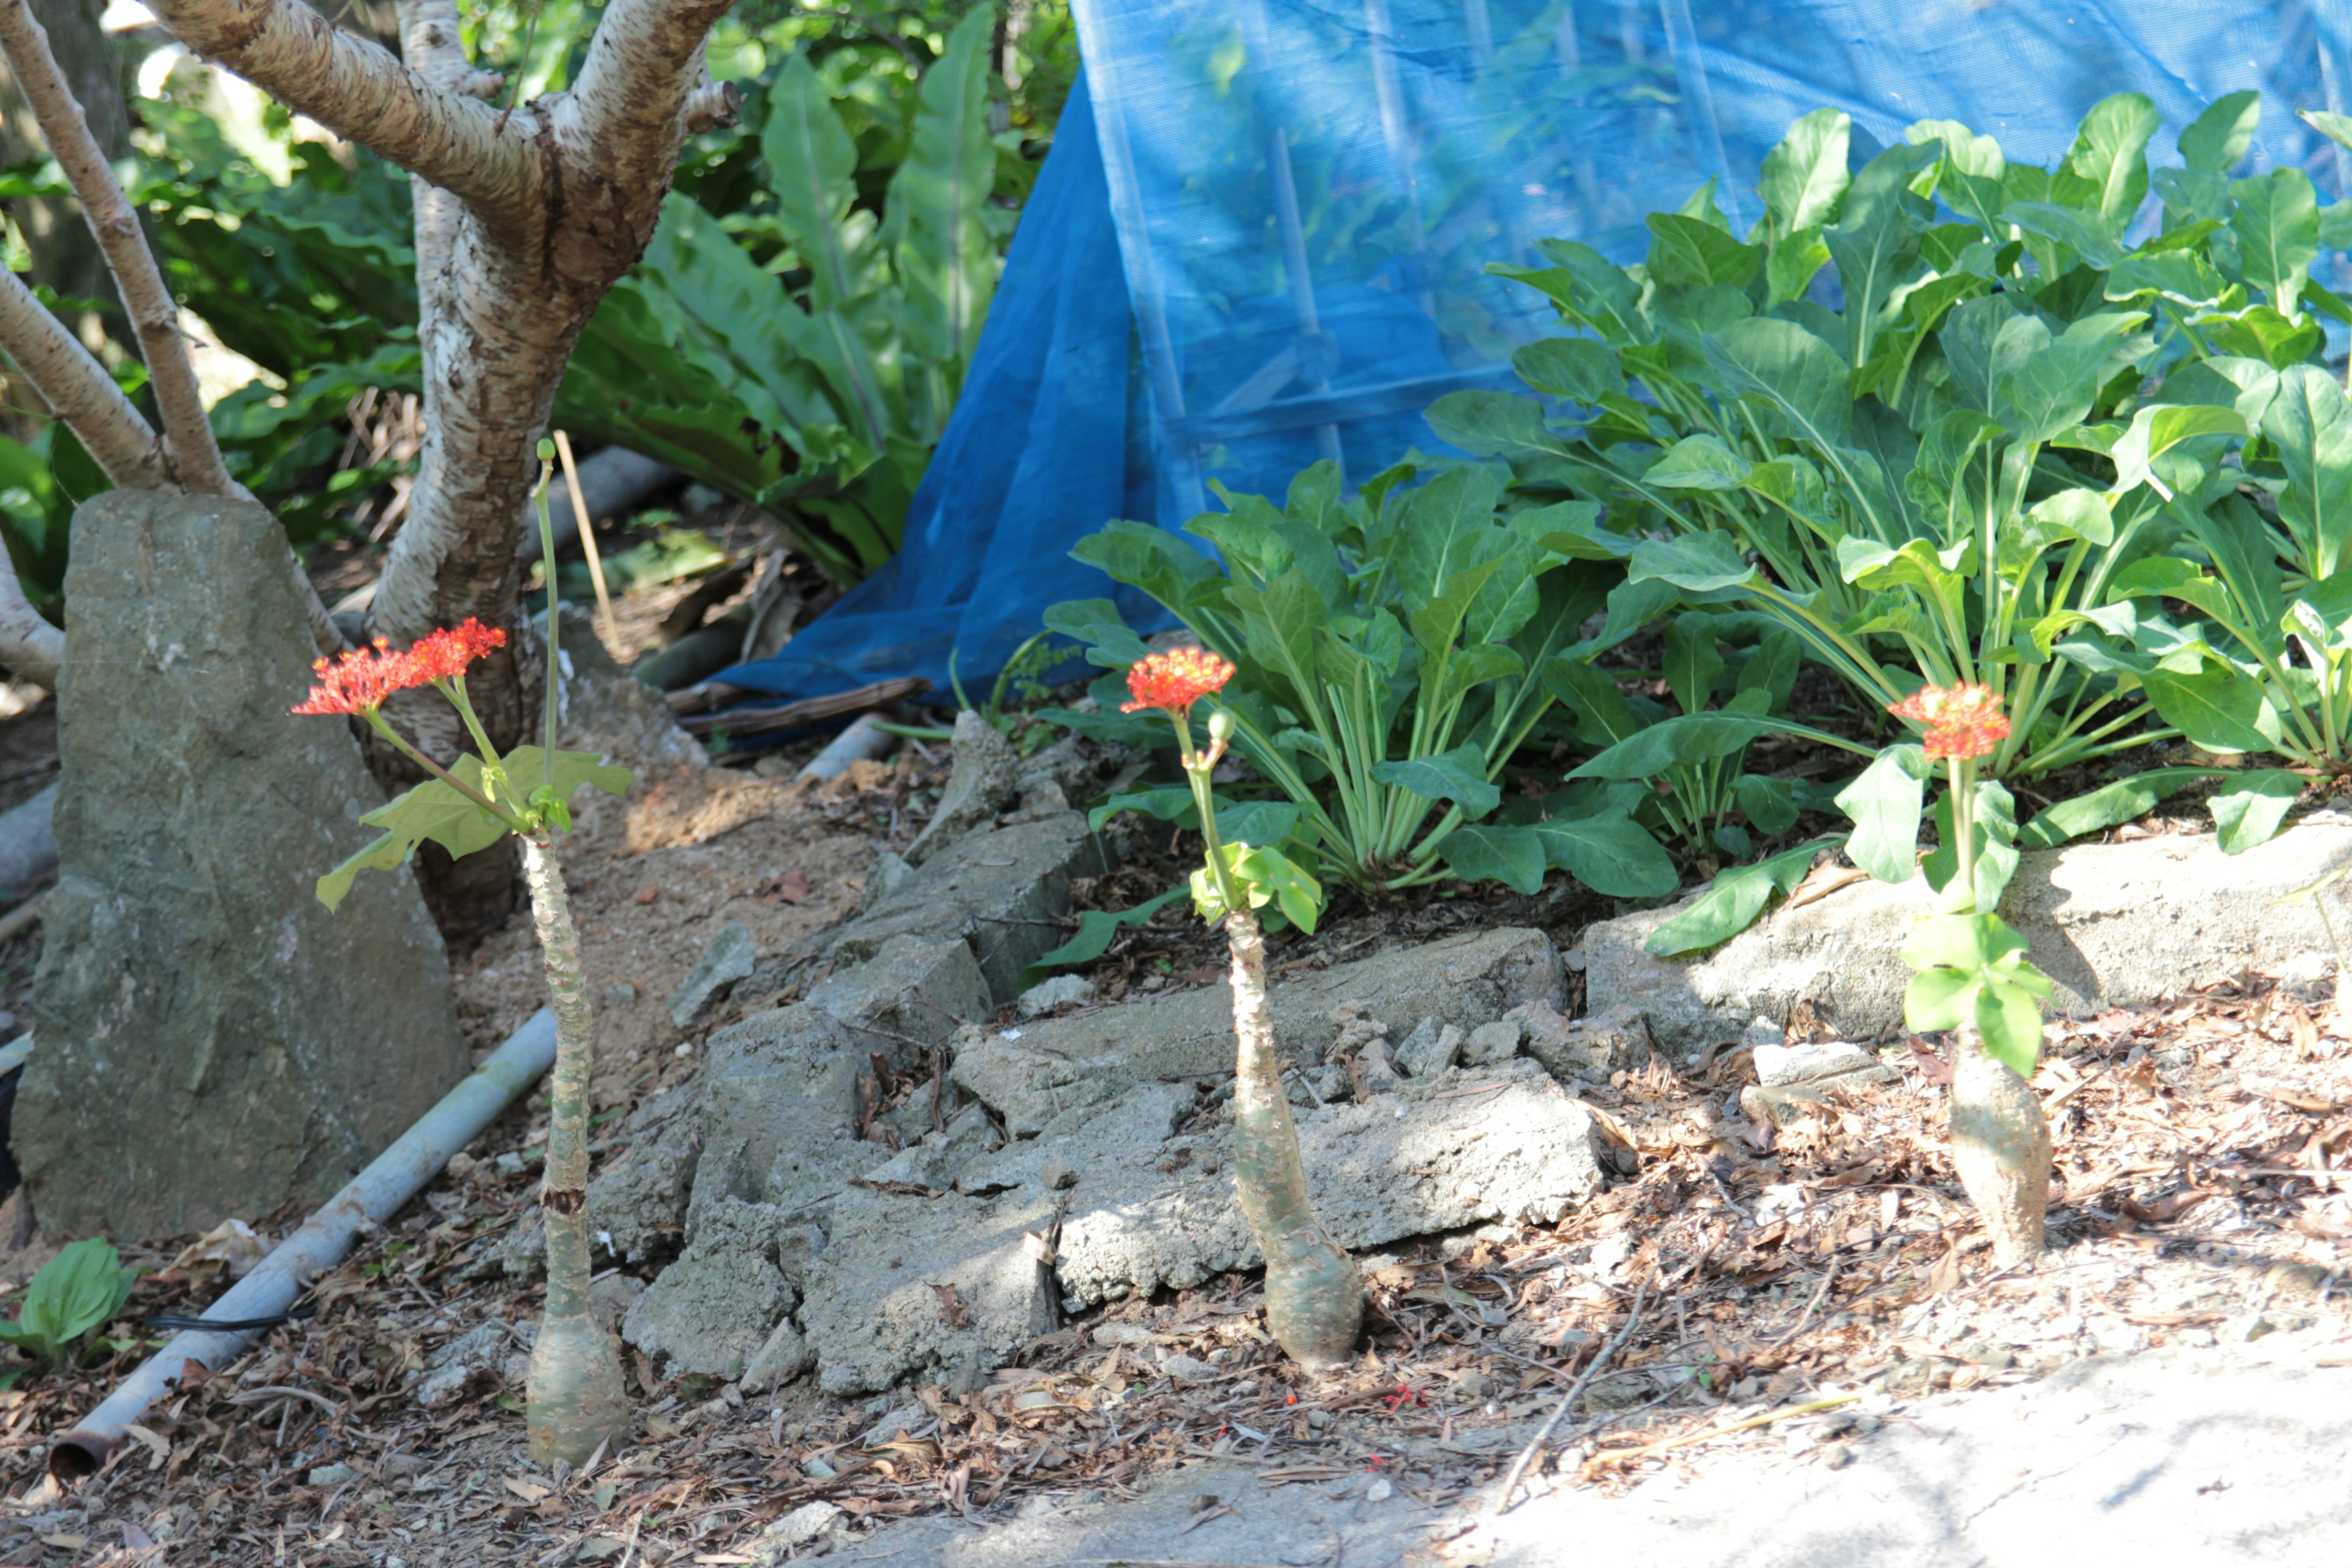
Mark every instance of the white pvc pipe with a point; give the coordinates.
(863, 741)
(373, 1196)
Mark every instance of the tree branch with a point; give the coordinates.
(625, 116)
(29, 646)
(78, 389)
(363, 94)
(191, 452)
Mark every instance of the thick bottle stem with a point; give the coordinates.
(1314, 1296)
(2000, 1148)
(577, 1399)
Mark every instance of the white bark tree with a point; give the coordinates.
(523, 220)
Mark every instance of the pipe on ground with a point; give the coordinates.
(863, 741)
(373, 1196)
(611, 481)
(28, 846)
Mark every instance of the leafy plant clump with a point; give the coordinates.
(1395, 648)
(2014, 444)
(75, 1294)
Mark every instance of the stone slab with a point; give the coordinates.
(2113, 925)
(1463, 982)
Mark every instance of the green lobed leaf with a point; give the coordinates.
(2251, 811)
(1885, 801)
(1513, 856)
(2220, 710)
(1733, 901)
(1458, 775)
(1097, 929)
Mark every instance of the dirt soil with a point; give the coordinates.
(1732, 1273)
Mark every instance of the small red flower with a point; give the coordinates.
(1962, 721)
(444, 655)
(360, 680)
(1174, 681)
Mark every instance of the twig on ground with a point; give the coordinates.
(1526, 1456)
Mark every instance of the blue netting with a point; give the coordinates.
(1305, 198)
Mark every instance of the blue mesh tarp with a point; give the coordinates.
(1303, 198)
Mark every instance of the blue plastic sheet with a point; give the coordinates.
(1303, 199)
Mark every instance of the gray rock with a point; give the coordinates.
(1059, 1063)
(1835, 1061)
(999, 891)
(1763, 1031)
(808, 1529)
(715, 1307)
(913, 987)
(780, 1111)
(782, 1357)
(1492, 1043)
(889, 871)
(1612, 1042)
(636, 1207)
(1062, 765)
(925, 1285)
(1057, 1176)
(214, 1042)
(2113, 925)
(1061, 991)
(1430, 1050)
(985, 781)
(1127, 1132)
(729, 958)
(609, 1297)
(450, 1371)
(1188, 1369)
(936, 1159)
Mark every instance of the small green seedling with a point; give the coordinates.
(79, 1290)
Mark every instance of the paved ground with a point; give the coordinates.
(2175, 1458)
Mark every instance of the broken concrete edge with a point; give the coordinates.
(2112, 924)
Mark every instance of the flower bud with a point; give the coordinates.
(1220, 726)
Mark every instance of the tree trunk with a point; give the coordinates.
(2000, 1147)
(1314, 1296)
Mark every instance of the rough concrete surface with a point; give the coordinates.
(713, 1309)
(1002, 891)
(913, 988)
(2114, 924)
(984, 780)
(2168, 1460)
(780, 1108)
(730, 957)
(1463, 982)
(213, 1041)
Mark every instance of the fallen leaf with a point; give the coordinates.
(1824, 880)
(648, 895)
(530, 1491)
(1930, 1061)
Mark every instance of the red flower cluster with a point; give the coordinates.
(1174, 681)
(1962, 721)
(360, 680)
(444, 655)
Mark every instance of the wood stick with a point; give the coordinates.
(607, 628)
(1593, 1369)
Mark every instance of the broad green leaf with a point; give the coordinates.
(1885, 801)
(1696, 563)
(1603, 716)
(2075, 514)
(1685, 739)
(1788, 370)
(2126, 800)
(1496, 425)
(1260, 822)
(2216, 141)
(2085, 234)
(936, 201)
(2180, 276)
(1692, 665)
(1962, 941)
(2262, 335)
(2250, 811)
(2053, 389)
(2111, 151)
(1485, 852)
(1097, 931)
(1805, 175)
(1688, 253)
(2170, 577)
(1458, 775)
(2277, 225)
(1876, 241)
(1792, 264)
(1609, 853)
(2220, 710)
(2009, 1023)
(1939, 999)
(2337, 128)
(79, 1290)
(812, 165)
(1769, 804)
(1733, 901)
(1151, 559)
(1097, 626)
(1997, 855)
(1964, 151)
(1172, 802)
(1295, 893)
(1584, 369)
(1699, 463)
(2310, 421)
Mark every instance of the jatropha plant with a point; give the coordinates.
(577, 1399)
(1314, 1295)
(1971, 975)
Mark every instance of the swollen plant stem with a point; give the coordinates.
(577, 1399)
(1314, 1295)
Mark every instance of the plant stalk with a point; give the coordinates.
(1314, 1295)
(2000, 1148)
(577, 1398)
